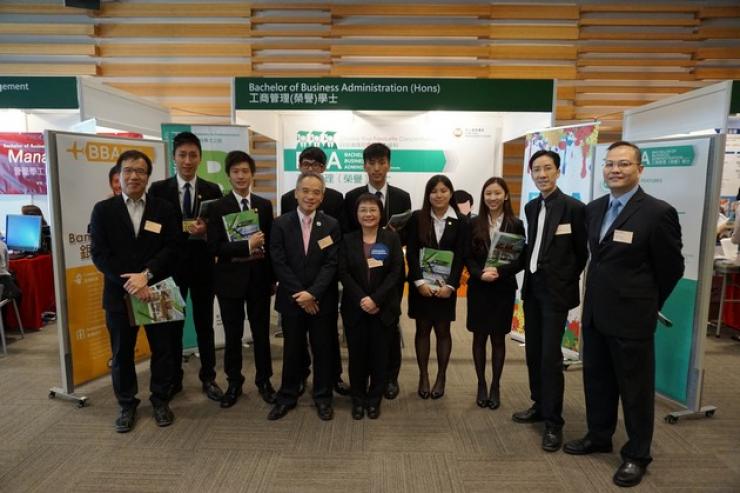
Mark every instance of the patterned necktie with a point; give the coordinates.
(187, 203)
(538, 239)
(306, 230)
(609, 217)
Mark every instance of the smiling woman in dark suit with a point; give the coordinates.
(491, 289)
(370, 269)
(439, 226)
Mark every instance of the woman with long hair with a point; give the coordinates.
(438, 226)
(491, 289)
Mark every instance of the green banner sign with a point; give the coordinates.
(528, 95)
(349, 160)
(38, 93)
(735, 98)
(668, 156)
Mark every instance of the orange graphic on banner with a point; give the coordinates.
(105, 152)
(88, 334)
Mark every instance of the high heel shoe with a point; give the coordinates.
(482, 399)
(423, 389)
(438, 394)
(495, 399)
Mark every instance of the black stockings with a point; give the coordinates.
(498, 355)
(444, 348)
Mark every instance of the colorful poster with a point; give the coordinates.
(22, 164)
(576, 146)
(82, 162)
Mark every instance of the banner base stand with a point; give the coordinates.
(55, 392)
(706, 411)
(567, 363)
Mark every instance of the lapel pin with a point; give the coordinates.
(449, 223)
(200, 196)
(255, 210)
(318, 223)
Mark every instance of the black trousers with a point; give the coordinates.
(367, 343)
(335, 351)
(615, 367)
(320, 331)
(544, 326)
(123, 372)
(201, 296)
(393, 365)
(258, 313)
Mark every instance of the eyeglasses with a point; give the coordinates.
(311, 164)
(137, 171)
(618, 164)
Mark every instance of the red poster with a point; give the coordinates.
(22, 163)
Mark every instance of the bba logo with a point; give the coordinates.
(104, 152)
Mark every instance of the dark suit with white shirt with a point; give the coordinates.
(549, 293)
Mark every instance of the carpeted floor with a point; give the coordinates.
(448, 445)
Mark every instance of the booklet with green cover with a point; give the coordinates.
(436, 266)
(166, 305)
(240, 226)
(505, 249)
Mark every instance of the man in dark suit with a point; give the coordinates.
(636, 261)
(243, 274)
(303, 248)
(556, 255)
(314, 159)
(186, 192)
(377, 162)
(135, 243)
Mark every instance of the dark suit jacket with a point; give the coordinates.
(396, 202)
(333, 204)
(627, 283)
(562, 256)
(380, 283)
(197, 261)
(115, 250)
(297, 271)
(234, 269)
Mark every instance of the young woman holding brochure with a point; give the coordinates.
(491, 289)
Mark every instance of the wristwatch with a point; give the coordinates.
(149, 275)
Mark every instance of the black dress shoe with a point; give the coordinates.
(392, 390)
(341, 388)
(125, 421)
(358, 412)
(629, 474)
(584, 446)
(163, 415)
(423, 390)
(213, 391)
(531, 415)
(552, 439)
(325, 412)
(495, 401)
(278, 411)
(373, 412)
(439, 390)
(231, 396)
(482, 399)
(267, 392)
(302, 388)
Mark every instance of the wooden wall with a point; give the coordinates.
(606, 57)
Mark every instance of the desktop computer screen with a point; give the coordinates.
(23, 233)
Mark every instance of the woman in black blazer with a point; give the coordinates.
(437, 225)
(490, 289)
(370, 269)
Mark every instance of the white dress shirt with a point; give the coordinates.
(135, 210)
(383, 191)
(181, 191)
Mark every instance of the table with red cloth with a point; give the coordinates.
(35, 278)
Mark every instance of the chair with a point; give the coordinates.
(3, 302)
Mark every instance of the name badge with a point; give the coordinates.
(326, 241)
(373, 263)
(563, 229)
(379, 251)
(186, 225)
(152, 227)
(623, 236)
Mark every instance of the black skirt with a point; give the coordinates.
(490, 306)
(423, 308)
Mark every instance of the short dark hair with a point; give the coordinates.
(624, 143)
(186, 138)
(134, 155)
(313, 153)
(311, 174)
(237, 157)
(376, 150)
(368, 197)
(543, 152)
(461, 196)
(115, 170)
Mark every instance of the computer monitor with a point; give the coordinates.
(23, 233)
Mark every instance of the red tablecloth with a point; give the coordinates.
(731, 315)
(35, 277)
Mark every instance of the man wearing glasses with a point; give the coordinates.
(313, 159)
(636, 261)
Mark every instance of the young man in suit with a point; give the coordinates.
(243, 274)
(636, 261)
(186, 192)
(314, 159)
(377, 162)
(556, 255)
(135, 243)
(303, 247)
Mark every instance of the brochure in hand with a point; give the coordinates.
(240, 226)
(398, 221)
(202, 214)
(436, 266)
(505, 249)
(166, 305)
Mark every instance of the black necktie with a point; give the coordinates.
(245, 204)
(379, 194)
(187, 204)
